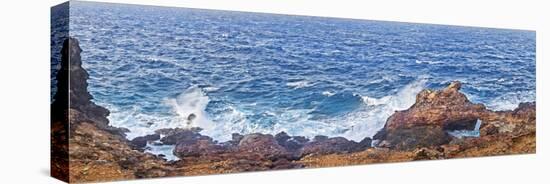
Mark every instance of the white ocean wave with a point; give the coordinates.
(328, 93)
(510, 101)
(299, 84)
(428, 62)
(369, 120)
(191, 107)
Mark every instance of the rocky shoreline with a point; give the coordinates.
(100, 152)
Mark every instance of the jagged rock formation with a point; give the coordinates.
(99, 152)
(426, 123)
(264, 150)
(85, 145)
(420, 132)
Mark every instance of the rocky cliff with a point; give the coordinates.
(99, 152)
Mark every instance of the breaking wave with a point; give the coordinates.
(510, 101)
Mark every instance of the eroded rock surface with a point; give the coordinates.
(99, 152)
(420, 133)
(426, 122)
(96, 151)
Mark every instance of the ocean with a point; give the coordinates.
(237, 72)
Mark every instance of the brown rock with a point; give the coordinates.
(140, 142)
(426, 122)
(447, 108)
(198, 147)
(322, 145)
(291, 143)
(174, 135)
(262, 145)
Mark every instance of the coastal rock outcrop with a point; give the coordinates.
(292, 144)
(172, 136)
(251, 152)
(500, 133)
(94, 150)
(99, 152)
(202, 146)
(427, 121)
(322, 145)
(141, 141)
(262, 145)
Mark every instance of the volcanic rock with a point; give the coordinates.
(291, 143)
(141, 141)
(173, 136)
(427, 121)
(262, 145)
(201, 146)
(322, 145)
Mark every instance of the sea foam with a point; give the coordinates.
(299, 84)
(190, 106)
(372, 117)
(511, 100)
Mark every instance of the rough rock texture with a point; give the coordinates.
(426, 122)
(292, 144)
(99, 152)
(253, 152)
(198, 148)
(265, 146)
(501, 133)
(173, 135)
(98, 155)
(322, 145)
(140, 142)
(262, 145)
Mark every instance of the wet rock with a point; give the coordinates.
(282, 137)
(291, 143)
(365, 143)
(172, 131)
(322, 145)
(174, 135)
(236, 139)
(140, 142)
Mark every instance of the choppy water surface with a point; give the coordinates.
(246, 72)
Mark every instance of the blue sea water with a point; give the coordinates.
(248, 72)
